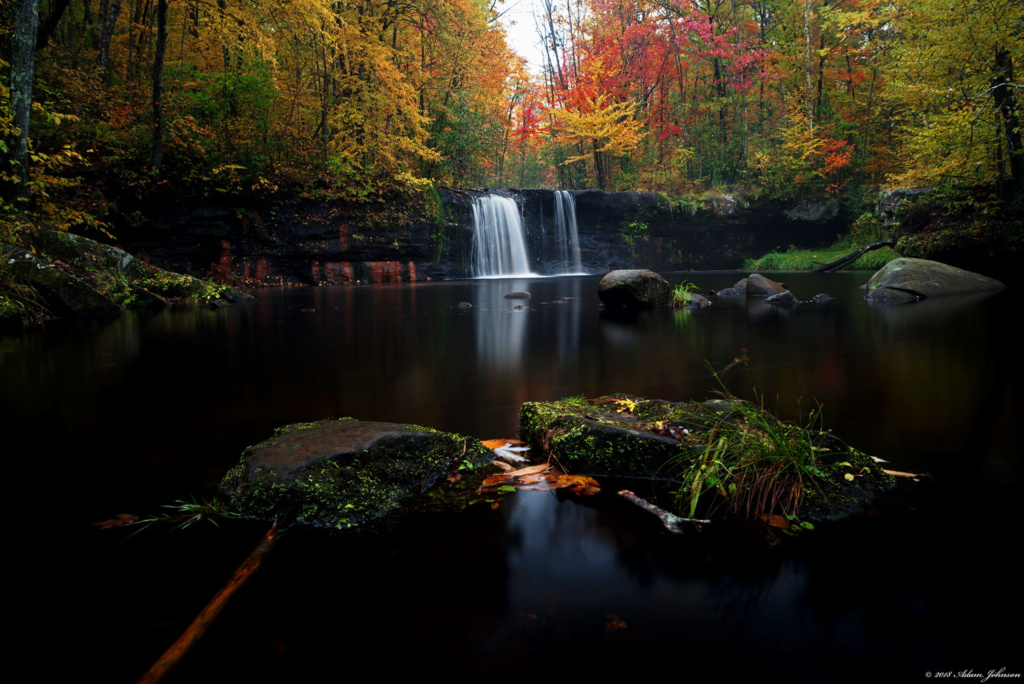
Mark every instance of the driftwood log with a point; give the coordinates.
(853, 256)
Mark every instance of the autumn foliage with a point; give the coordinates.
(777, 97)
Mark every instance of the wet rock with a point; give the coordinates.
(463, 306)
(697, 301)
(732, 292)
(625, 436)
(339, 473)
(783, 299)
(821, 298)
(909, 280)
(518, 295)
(61, 291)
(813, 211)
(756, 285)
(634, 289)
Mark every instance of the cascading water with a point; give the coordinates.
(498, 245)
(566, 232)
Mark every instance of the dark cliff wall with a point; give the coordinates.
(291, 238)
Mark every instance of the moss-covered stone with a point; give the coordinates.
(339, 473)
(909, 280)
(626, 436)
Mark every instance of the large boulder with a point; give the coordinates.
(626, 436)
(634, 289)
(756, 285)
(339, 473)
(909, 280)
(60, 291)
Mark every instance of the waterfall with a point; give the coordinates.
(498, 245)
(566, 233)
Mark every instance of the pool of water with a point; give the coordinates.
(121, 416)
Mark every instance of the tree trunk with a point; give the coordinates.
(1006, 103)
(107, 32)
(23, 61)
(158, 86)
(48, 26)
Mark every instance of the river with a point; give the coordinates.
(124, 415)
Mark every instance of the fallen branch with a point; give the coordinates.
(900, 473)
(853, 256)
(673, 523)
(199, 626)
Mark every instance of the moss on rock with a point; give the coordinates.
(715, 450)
(339, 473)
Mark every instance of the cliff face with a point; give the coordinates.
(302, 240)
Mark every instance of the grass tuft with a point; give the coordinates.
(753, 464)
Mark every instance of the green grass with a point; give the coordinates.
(864, 231)
(753, 464)
(681, 295)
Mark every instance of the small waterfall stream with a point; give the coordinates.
(498, 245)
(502, 247)
(568, 236)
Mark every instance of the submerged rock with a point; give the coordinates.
(634, 289)
(339, 473)
(626, 436)
(518, 294)
(909, 280)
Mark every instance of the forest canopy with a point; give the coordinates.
(370, 97)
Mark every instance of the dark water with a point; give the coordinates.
(126, 415)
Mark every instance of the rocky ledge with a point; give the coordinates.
(62, 274)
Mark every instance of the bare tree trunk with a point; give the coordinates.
(107, 32)
(23, 62)
(807, 58)
(1006, 103)
(48, 26)
(158, 85)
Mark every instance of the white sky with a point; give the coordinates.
(522, 37)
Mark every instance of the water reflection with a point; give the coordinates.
(140, 411)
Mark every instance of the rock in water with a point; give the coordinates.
(784, 299)
(626, 436)
(338, 473)
(634, 289)
(908, 280)
(756, 285)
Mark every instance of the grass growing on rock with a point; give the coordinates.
(752, 462)
(724, 455)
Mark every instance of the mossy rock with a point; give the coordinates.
(625, 436)
(339, 473)
(180, 286)
(910, 280)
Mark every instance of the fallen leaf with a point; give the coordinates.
(117, 521)
(530, 470)
(499, 443)
(614, 624)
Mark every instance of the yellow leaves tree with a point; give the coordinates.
(953, 83)
(608, 130)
